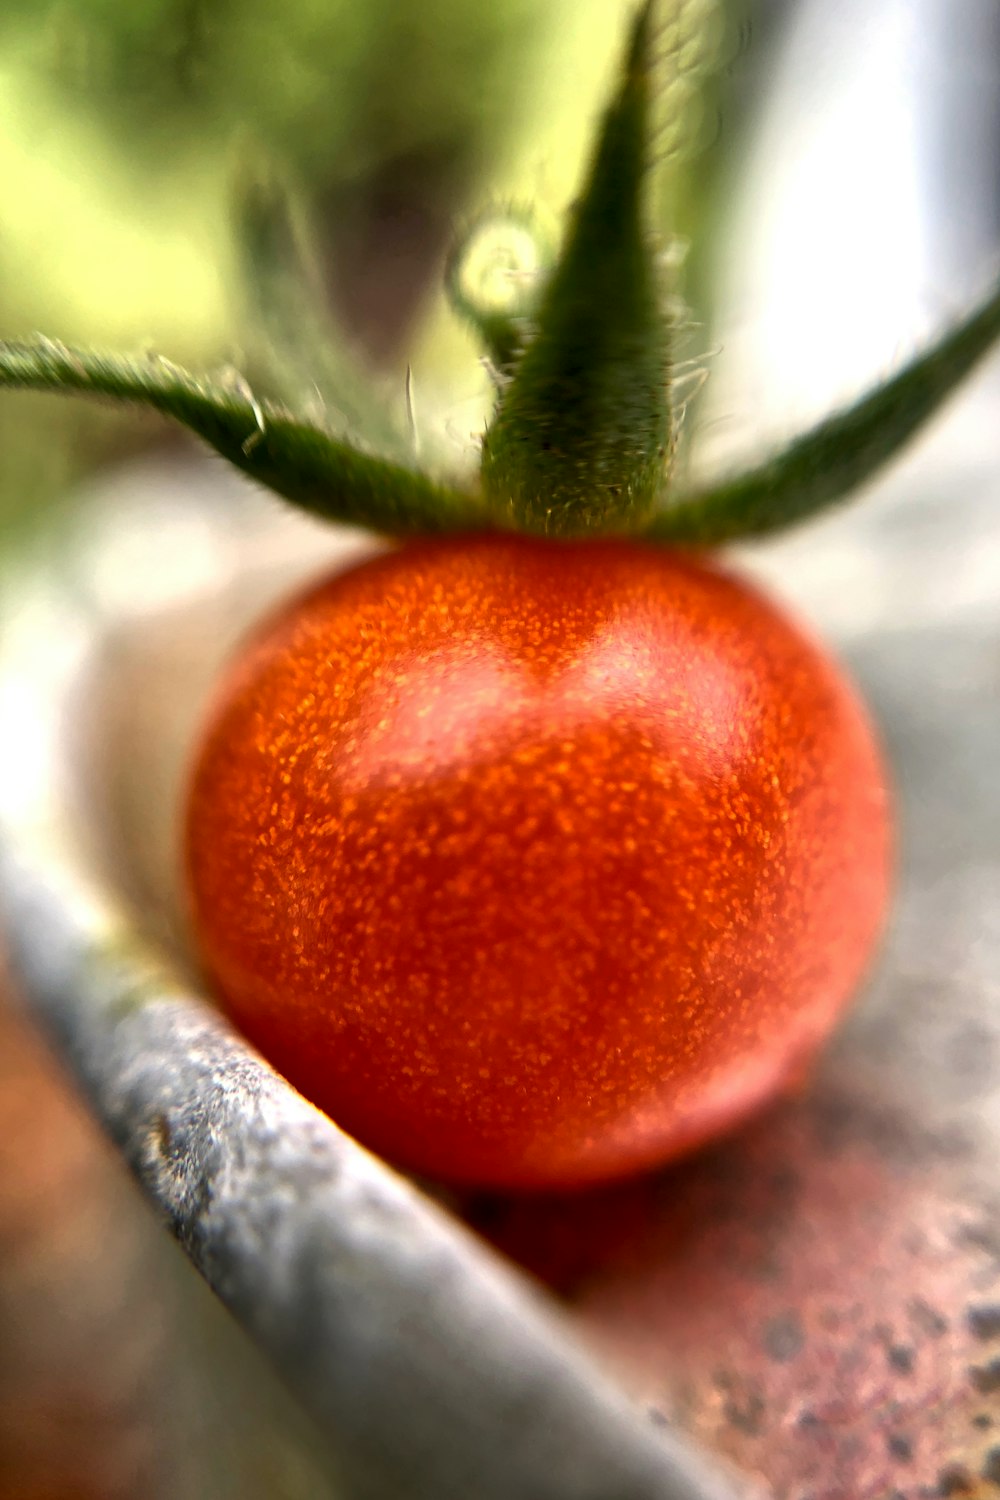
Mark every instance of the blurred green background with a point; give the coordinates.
(124, 126)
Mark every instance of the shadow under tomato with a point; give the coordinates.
(818, 1299)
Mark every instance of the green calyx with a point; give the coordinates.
(581, 437)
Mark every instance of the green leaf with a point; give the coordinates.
(297, 460)
(826, 463)
(291, 332)
(582, 433)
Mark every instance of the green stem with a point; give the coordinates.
(826, 463)
(296, 459)
(582, 433)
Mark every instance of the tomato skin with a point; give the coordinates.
(536, 863)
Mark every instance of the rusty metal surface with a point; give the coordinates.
(819, 1300)
(121, 1377)
(81, 1341)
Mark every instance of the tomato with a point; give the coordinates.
(536, 863)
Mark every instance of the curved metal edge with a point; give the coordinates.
(435, 1371)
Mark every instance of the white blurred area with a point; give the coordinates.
(863, 209)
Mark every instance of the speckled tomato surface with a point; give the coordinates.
(536, 863)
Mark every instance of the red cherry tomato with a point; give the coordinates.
(536, 863)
